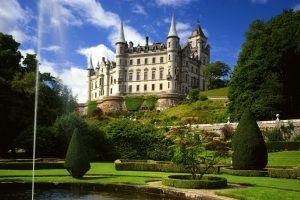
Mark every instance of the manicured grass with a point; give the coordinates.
(221, 92)
(284, 158)
(257, 187)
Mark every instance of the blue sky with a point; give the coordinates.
(67, 32)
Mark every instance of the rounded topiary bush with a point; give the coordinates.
(77, 160)
(249, 148)
(186, 181)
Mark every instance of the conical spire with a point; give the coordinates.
(173, 31)
(121, 34)
(91, 66)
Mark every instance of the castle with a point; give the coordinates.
(167, 70)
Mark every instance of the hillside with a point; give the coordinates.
(199, 112)
(220, 92)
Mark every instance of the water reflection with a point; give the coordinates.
(62, 194)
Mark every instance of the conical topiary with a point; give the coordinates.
(77, 160)
(249, 148)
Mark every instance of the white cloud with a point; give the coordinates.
(138, 9)
(182, 26)
(259, 1)
(175, 3)
(13, 20)
(296, 7)
(97, 52)
(76, 79)
(54, 48)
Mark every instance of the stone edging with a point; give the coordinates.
(164, 192)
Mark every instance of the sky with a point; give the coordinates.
(66, 33)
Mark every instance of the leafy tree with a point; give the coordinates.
(17, 83)
(189, 150)
(266, 75)
(193, 95)
(77, 160)
(215, 74)
(249, 148)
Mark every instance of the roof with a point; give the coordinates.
(173, 31)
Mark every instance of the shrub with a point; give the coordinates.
(281, 146)
(187, 181)
(227, 132)
(193, 95)
(28, 165)
(237, 172)
(272, 135)
(284, 173)
(296, 137)
(77, 160)
(92, 108)
(202, 97)
(249, 149)
(151, 102)
(133, 103)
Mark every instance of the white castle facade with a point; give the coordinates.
(156, 69)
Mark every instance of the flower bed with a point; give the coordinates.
(186, 181)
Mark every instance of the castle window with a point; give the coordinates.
(115, 81)
(145, 75)
(95, 94)
(125, 75)
(138, 75)
(153, 87)
(169, 44)
(130, 62)
(130, 76)
(145, 87)
(153, 60)
(138, 88)
(111, 80)
(161, 86)
(130, 88)
(110, 90)
(146, 61)
(125, 62)
(169, 57)
(161, 74)
(161, 59)
(168, 84)
(153, 75)
(138, 61)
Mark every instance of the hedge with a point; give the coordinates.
(281, 146)
(151, 102)
(151, 165)
(186, 181)
(236, 172)
(284, 173)
(28, 165)
(133, 103)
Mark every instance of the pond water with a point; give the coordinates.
(63, 194)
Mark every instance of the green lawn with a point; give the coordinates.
(221, 92)
(264, 188)
(284, 158)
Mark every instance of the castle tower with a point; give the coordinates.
(90, 73)
(172, 54)
(198, 42)
(120, 61)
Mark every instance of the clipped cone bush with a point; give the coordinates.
(249, 148)
(77, 160)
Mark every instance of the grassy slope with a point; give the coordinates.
(221, 92)
(201, 112)
(261, 187)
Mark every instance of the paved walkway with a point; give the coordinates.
(197, 193)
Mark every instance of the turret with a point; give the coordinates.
(121, 46)
(172, 50)
(91, 72)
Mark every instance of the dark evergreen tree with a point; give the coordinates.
(249, 148)
(77, 160)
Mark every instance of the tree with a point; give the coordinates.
(17, 83)
(249, 148)
(215, 74)
(266, 75)
(189, 151)
(77, 160)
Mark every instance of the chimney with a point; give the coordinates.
(147, 40)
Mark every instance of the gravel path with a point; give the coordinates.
(198, 193)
